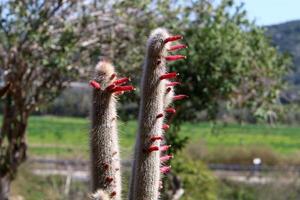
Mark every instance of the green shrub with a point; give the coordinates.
(198, 182)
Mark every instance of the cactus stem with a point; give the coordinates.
(123, 88)
(177, 47)
(165, 169)
(168, 75)
(159, 115)
(121, 81)
(165, 127)
(170, 110)
(152, 148)
(154, 138)
(173, 38)
(171, 84)
(180, 97)
(95, 85)
(175, 57)
(166, 158)
(165, 148)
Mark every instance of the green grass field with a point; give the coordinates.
(65, 136)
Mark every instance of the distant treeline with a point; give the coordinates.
(76, 101)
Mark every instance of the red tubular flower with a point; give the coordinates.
(153, 148)
(177, 47)
(165, 127)
(168, 75)
(165, 169)
(95, 85)
(159, 115)
(165, 148)
(171, 84)
(173, 38)
(110, 87)
(121, 81)
(179, 97)
(170, 110)
(175, 57)
(166, 158)
(123, 88)
(154, 138)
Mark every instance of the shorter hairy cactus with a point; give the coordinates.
(105, 159)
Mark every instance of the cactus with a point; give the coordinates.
(156, 95)
(105, 159)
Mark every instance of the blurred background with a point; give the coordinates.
(237, 137)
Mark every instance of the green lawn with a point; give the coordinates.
(66, 136)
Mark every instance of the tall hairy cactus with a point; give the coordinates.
(156, 95)
(105, 158)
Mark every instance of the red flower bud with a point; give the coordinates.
(165, 127)
(165, 148)
(171, 84)
(177, 47)
(153, 148)
(123, 88)
(166, 158)
(173, 38)
(168, 75)
(95, 85)
(121, 81)
(170, 110)
(175, 57)
(165, 169)
(179, 97)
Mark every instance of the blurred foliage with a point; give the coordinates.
(197, 180)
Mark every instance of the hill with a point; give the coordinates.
(287, 37)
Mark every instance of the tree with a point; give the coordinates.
(230, 60)
(42, 46)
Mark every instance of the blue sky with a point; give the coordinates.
(267, 12)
